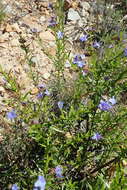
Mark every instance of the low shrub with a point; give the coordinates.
(74, 135)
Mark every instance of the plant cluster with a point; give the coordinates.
(74, 135)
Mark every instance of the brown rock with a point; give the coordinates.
(14, 43)
(15, 28)
(47, 36)
(8, 28)
(51, 51)
(4, 37)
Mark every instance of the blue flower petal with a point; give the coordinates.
(104, 105)
(59, 171)
(14, 187)
(96, 137)
(60, 104)
(40, 183)
(11, 115)
(60, 35)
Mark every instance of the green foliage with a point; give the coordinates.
(45, 135)
(2, 12)
(10, 79)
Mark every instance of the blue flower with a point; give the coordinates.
(40, 95)
(82, 56)
(80, 64)
(40, 183)
(60, 104)
(112, 100)
(14, 187)
(78, 60)
(96, 45)
(52, 22)
(125, 52)
(60, 35)
(47, 92)
(67, 64)
(83, 38)
(59, 171)
(11, 115)
(96, 137)
(104, 105)
(50, 5)
(34, 30)
(107, 105)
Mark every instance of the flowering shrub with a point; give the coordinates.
(74, 135)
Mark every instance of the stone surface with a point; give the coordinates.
(73, 15)
(47, 36)
(26, 43)
(8, 9)
(14, 43)
(15, 28)
(4, 37)
(85, 14)
(85, 6)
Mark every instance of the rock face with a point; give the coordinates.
(26, 43)
(24, 39)
(85, 6)
(46, 36)
(73, 15)
(79, 20)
